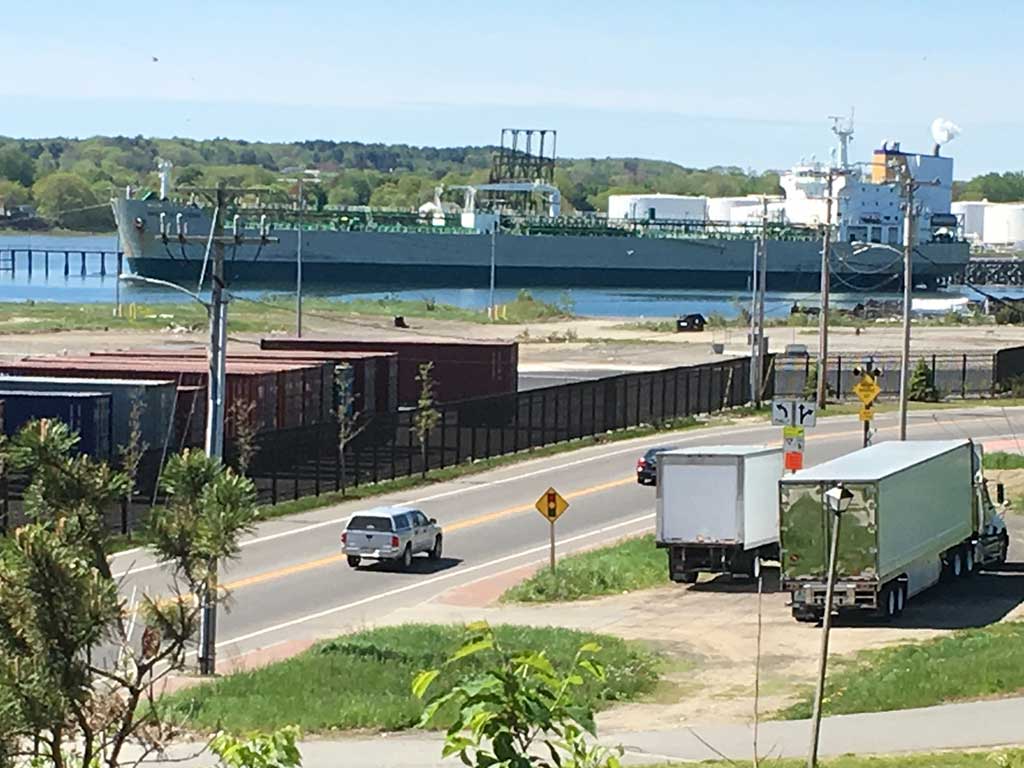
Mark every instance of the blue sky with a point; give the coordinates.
(699, 83)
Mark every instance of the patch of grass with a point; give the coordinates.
(967, 664)
(1002, 758)
(272, 313)
(622, 567)
(1003, 460)
(361, 681)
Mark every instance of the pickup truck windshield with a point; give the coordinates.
(365, 523)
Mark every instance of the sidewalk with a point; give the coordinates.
(949, 727)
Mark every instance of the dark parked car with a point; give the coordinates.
(647, 465)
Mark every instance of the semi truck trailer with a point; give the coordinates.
(716, 509)
(918, 511)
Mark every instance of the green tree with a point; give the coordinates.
(17, 166)
(426, 416)
(76, 682)
(68, 200)
(519, 711)
(12, 193)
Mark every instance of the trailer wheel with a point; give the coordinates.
(888, 604)
(901, 597)
(956, 563)
(1004, 549)
(688, 577)
(968, 560)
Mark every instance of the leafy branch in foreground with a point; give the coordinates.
(519, 711)
(80, 667)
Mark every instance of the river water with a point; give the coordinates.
(94, 286)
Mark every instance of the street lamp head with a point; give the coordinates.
(838, 498)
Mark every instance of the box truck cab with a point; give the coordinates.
(716, 509)
(919, 511)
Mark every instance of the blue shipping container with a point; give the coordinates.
(87, 413)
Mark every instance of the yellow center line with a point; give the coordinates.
(323, 562)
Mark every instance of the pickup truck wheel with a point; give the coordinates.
(354, 560)
(435, 551)
(407, 557)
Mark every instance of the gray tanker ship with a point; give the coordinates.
(661, 241)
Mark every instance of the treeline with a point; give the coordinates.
(69, 181)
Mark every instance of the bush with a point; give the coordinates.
(922, 384)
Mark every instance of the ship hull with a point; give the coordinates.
(343, 260)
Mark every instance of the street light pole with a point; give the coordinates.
(908, 285)
(837, 499)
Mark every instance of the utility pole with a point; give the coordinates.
(908, 285)
(826, 245)
(215, 386)
(298, 267)
(494, 244)
(757, 309)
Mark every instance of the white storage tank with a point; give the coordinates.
(1004, 224)
(720, 208)
(657, 206)
(973, 213)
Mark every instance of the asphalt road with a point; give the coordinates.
(292, 582)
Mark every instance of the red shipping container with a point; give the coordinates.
(462, 370)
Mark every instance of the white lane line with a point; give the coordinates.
(635, 445)
(419, 585)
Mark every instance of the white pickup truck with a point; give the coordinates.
(391, 533)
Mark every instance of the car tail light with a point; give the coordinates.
(344, 537)
(394, 541)
(641, 463)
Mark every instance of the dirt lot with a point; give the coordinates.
(707, 633)
(599, 342)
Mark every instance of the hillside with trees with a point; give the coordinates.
(69, 181)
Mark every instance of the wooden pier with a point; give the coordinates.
(33, 261)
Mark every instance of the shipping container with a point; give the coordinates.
(462, 370)
(275, 388)
(86, 413)
(375, 373)
(156, 399)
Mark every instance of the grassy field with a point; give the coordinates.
(1003, 758)
(1003, 460)
(362, 681)
(273, 313)
(622, 567)
(967, 664)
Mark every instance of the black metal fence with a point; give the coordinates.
(955, 374)
(302, 462)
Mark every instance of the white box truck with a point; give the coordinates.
(717, 509)
(919, 510)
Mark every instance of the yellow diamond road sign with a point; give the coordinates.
(551, 505)
(866, 389)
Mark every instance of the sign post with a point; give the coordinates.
(794, 416)
(867, 390)
(551, 506)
